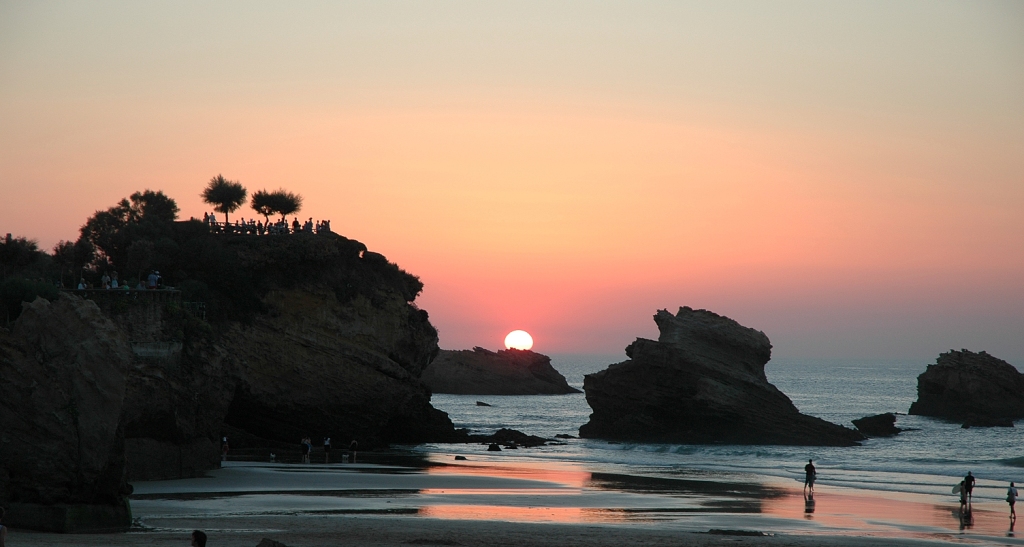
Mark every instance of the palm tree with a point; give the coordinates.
(263, 202)
(225, 195)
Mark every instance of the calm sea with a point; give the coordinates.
(930, 458)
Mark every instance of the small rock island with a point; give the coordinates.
(702, 381)
(482, 372)
(976, 388)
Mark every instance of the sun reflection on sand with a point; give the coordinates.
(892, 511)
(567, 475)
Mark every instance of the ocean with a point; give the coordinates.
(929, 458)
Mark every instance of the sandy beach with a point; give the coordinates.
(494, 501)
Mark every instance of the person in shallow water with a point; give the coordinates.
(969, 486)
(811, 475)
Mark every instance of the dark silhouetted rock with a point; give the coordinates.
(62, 461)
(494, 448)
(481, 403)
(879, 425)
(964, 385)
(703, 381)
(482, 372)
(986, 421)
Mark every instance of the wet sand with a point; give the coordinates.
(495, 502)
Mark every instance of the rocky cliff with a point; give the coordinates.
(482, 372)
(703, 381)
(62, 463)
(964, 385)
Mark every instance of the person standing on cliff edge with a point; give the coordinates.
(811, 475)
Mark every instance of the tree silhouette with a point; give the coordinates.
(263, 202)
(287, 203)
(225, 195)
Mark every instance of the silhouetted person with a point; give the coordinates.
(810, 475)
(327, 450)
(198, 538)
(1011, 498)
(969, 486)
(963, 497)
(224, 449)
(352, 447)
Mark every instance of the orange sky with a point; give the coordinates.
(847, 178)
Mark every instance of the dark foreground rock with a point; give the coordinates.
(703, 381)
(976, 388)
(879, 425)
(482, 372)
(62, 459)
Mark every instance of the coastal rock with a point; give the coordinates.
(62, 461)
(879, 425)
(964, 385)
(320, 367)
(703, 381)
(482, 372)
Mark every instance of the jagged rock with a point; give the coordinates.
(494, 448)
(964, 385)
(703, 381)
(62, 462)
(482, 372)
(879, 425)
(986, 421)
(316, 366)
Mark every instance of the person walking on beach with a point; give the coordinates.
(969, 486)
(198, 538)
(811, 475)
(1011, 498)
(963, 497)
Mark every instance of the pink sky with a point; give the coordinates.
(847, 178)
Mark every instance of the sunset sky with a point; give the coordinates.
(847, 177)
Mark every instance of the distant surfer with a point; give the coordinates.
(811, 475)
(969, 486)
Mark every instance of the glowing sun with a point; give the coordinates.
(518, 339)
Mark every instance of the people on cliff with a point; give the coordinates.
(105, 280)
(1011, 498)
(810, 475)
(307, 447)
(151, 280)
(113, 281)
(969, 486)
(224, 449)
(198, 538)
(295, 225)
(352, 447)
(327, 450)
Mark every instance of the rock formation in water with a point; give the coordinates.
(879, 425)
(974, 387)
(482, 372)
(703, 381)
(62, 462)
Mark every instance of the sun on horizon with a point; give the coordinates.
(518, 339)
